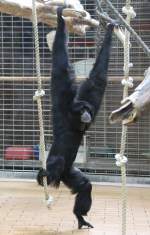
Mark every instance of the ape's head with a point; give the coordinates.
(81, 115)
(83, 110)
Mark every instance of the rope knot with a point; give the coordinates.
(38, 94)
(127, 82)
(130, 65)
(129, 11)
(120, 160)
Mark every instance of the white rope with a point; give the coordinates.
(38, 94)
(127, 82)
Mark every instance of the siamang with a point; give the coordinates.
(74, 109)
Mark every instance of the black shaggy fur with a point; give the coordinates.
(74, 109)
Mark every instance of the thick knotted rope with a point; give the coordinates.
(38, 95)
(127, 82)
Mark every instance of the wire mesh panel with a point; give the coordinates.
(19, 135)
(19, 119)
(103, 138)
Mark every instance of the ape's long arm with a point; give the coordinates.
(92, 90)
(62, 89)
(62, 72)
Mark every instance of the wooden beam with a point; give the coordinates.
(47, 14)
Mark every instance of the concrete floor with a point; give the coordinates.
(23, 212)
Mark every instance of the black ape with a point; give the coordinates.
(74, 109)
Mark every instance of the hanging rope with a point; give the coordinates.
(38, 95)
(127, 82)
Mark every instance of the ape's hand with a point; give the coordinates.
(41, 174)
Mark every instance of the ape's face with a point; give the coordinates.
(82, 112)
(86, 116)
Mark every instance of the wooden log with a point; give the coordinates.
(135, 105)
(47, 14)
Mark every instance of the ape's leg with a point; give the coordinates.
(92, 90)
(81, 186)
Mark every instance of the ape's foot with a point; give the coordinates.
(82, 223)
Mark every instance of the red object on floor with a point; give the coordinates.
(18, 153)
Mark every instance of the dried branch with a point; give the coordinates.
(135, 105)
(47, 14)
